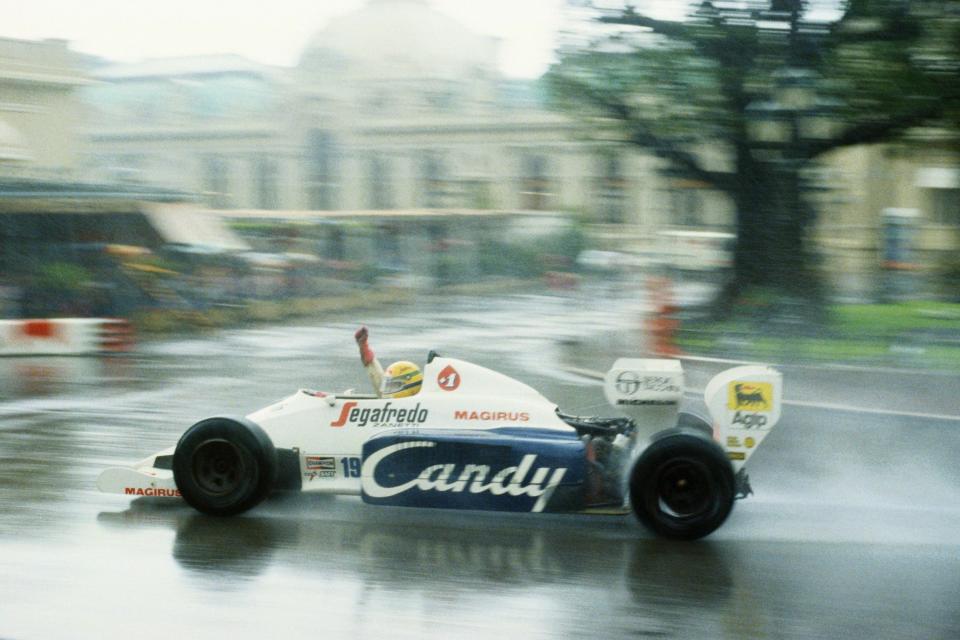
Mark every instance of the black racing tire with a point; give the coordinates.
(225, 466)
(682, 485)
(689, 420)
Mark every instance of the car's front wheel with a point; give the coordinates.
(224, 466)
(682, 486)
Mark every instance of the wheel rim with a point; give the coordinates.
(218, 467)
(685, 488)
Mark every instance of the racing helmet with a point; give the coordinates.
(401, 379)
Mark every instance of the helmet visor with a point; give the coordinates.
(396, 384)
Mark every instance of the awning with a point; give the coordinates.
(13, 148)
(184, 223)
(938, 178)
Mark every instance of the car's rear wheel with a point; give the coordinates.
(688, 420)
(682, 486)
(224, 466)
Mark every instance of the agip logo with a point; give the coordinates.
(750, 396)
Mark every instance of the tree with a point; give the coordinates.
(768, 89)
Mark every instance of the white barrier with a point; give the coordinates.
(64, 336)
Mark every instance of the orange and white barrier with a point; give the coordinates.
(64, 336)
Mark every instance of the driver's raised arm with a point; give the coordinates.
(369, 360)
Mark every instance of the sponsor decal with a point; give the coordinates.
(630, 382)
(320, 467)
(749, 443)
(736, 455)
(733, 442)
(449, 379)
(636, 402)
(321, 463)
(151, 491)
(383, 416)
(752, 396)
(344, 413)
(749, 420)
(492, 416)
(472, 478)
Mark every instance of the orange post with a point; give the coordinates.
(662, 323)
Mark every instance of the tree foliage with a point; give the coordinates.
(748, 96)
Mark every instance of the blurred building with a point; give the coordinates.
(892, 212)
(397, 106)
(65, 238)
(39, 107)
(393, 106)
(214, 126)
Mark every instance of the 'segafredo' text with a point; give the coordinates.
(385, 416)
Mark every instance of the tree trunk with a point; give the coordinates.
(771, 255)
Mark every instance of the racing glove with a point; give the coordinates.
(366, 353)
(370, 362)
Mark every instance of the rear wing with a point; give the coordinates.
(647, 390)
(744, 403)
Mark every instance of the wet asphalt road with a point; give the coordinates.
(854, 531)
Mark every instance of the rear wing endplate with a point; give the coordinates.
(744, 403)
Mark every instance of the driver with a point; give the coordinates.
(400, 380)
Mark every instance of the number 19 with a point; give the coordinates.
(351, 467)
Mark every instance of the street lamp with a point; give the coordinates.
(794, 115)
(769, 123)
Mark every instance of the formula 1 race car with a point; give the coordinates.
(476, 439)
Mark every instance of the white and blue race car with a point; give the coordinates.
(473, 438)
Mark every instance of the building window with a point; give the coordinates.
(265, 176)
(322, 171)
(686, 207)
(686, 202)
(945, 206)
(336, 243)
(388, 246)
(380, 180)
(432, 181)
(479, 194)
(611, 190)
(215, 185)
(535, 185)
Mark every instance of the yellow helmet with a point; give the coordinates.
(401, 379)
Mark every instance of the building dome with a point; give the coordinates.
(12, 146)
(398, 38)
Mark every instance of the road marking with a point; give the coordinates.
(825, 366)
(584, 373)
(849, 408)
(882, 412)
